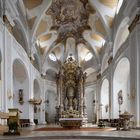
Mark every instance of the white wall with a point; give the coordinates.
(90, 92)
(11, 50)
(104, 99)
(121, 82)
(37, 93)
(50, 95)
(50, 107)
(25, 106)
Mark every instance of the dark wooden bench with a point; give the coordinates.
(24, 122)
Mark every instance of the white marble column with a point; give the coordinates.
(81, 95)
(110, 71)
(61, 93)
(98, 94)
(42, 113)
(31, 95)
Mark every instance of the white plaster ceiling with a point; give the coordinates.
(62, 37)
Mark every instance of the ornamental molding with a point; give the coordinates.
(70, 18)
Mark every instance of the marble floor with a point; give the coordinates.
(29, 134)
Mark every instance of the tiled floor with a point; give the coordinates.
(29, 134)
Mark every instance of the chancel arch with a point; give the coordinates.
(21, 88)
(104, 105)
(121, 87)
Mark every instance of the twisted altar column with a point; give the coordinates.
(58, 90)
(81, 96)
(84, 106)
(61, 93)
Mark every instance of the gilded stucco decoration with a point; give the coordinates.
(70, 18)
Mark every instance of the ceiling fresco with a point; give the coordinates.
(70, 18)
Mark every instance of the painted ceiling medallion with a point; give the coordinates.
(70, 18)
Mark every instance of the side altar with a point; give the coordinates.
(71, 94)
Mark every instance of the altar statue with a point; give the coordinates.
(66, 103)
(75, 103)
(70, 92)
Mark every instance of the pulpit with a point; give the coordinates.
(70, 94)
(13, 122)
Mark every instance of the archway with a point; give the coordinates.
(89, 102)
(37, 93)
(50, 106)
(121, 82)
(21, 88)
(104, 99)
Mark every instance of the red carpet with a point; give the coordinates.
(73, 129)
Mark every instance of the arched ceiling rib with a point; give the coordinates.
(45, 5)
(52, 22)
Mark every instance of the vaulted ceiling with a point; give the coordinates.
(70, 27)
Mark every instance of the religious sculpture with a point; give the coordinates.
(21, 101)
(66, 103)
(120, 100)
(75, 103)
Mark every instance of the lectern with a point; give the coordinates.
(13, 122)
(3, 116)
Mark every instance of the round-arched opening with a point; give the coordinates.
(121, 82)
(52, 57)
(37, 94)
(21, 88)
(88, 56)
(50, 106)
(104, 100)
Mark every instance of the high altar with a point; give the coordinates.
(70, 93)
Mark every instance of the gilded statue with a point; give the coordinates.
(75, 104)
(66, 103)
